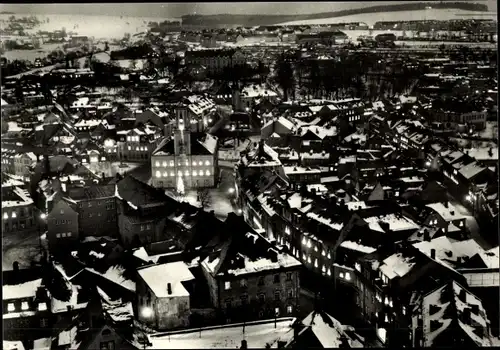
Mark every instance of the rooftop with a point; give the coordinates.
(157, 277)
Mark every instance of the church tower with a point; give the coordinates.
(182, 133)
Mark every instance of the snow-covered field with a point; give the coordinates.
(257, 336)
(105, 27)
(371, 18)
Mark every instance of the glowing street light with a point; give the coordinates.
(43, 216)
(428, 163)
(147, 312)
(240, 211)
(469, 198)
(231, 190)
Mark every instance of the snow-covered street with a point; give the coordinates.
(22, 247)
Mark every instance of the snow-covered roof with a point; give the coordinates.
(21, 291)
(257, 335)
(294, 170)
(254, 91)
(491, 258)
(12, 345)
(449, 213)
(23, 199)
(58, 306)
(158, 276)
(115, 274)
(450, 306)
(87, 123)
(330, 333)
(396, 223)
(396, 265)
(447, 250)
(358, 247)
(471, 170)
(42, 344)
(3, 103)
(328, 222)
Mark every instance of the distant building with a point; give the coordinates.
(18, 210)
(215, 60)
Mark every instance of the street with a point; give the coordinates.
(474, 229)
(23, 247)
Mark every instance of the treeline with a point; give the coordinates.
(255, 20)
(132, 52)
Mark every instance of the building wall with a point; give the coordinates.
(188, 166)
(24, 220)
(98, 217)
(62, 226)
(260, 291)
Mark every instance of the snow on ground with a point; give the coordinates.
(21, 247)
(111, 168)
(491, 131)
(371, 18)
(256, 335)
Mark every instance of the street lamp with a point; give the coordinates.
(147, 312)
(231, 190)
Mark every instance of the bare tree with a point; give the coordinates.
(203, 196)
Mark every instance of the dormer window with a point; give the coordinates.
(11, 307)
(14, 215)
(42, 306)
(24, 306)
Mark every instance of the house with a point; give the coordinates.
(19, 213)
(248, 279)
(97, 209)
(387, 280)
(142, 212)
(163, 299)
(445, 216)
(450, 315)
(62, 226)
(22, 162)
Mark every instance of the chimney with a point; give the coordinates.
(466, 316)
(15, 266)
(261, 147)
(169, 288)
(244, 344)
(445, 204)
(462, 295)
(433, 253)
(427, 235)
(474, 309)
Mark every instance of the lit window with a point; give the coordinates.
(207, 162)
(200, 163)
(165, 174)
(309, 259)
(323, 252)
(329, 272)
(329, 256)
(195, 173)
(289, 309)
(129, 148)
(157, 164)
(187, 172)
(323, 268)
(315, 262)
(309, 243)
(171, 163)
(58, 235)
(304, 241)
(347, 276)
(227, 285)
(14, 215)
(5, 215)
(194, 162)
(386, 318)
(404, 310)
(207, 173)
(390, 303)
(24, 305)
(179, 173)
(341, 275)
(461, 224)
(164, 164)
(158, 174)
(172, 173)
(304, 256)
(357, 266)
(42, 306)
(386, 301)
(11, 307)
